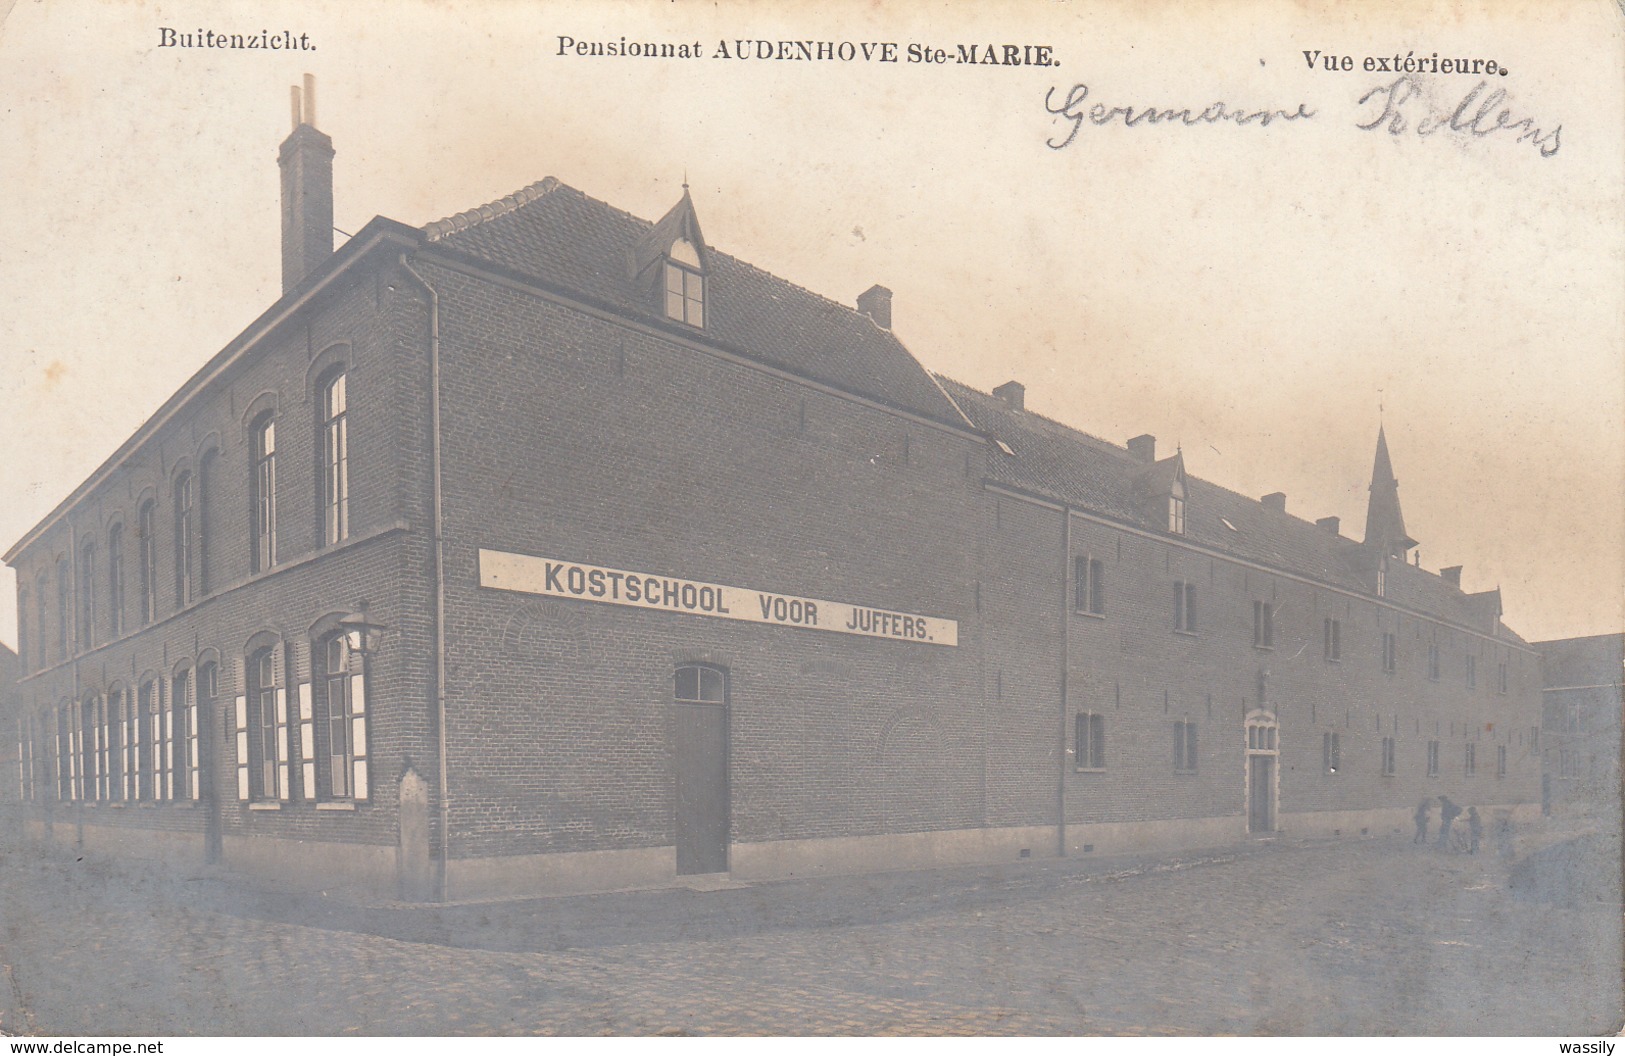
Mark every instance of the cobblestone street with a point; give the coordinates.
(1368, 936)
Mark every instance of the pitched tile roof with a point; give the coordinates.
(557, 234)
(1092, 474)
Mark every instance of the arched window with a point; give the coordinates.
(41, 635)
(206, 468)
(701, 684)
(67, 769)
(147, 537)
(117, 745)
(22, 628)
(267, 729)
(146, 749)
(335, 469)
(87, 594)
(91, 767)
(62, 600)
(205, 692)
(115, 578)
(685, 284)
(184, 514)
(342, 720)
(180, 761)
(262, 491)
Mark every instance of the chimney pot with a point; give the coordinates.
(1013, 393)
(306, 160)
(1331, 524)
(1275, 500)
(1451, 575)
(1143, 447)
(875, 302)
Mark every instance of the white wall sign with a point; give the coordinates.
(641, 590)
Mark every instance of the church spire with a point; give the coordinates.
(1384, 524)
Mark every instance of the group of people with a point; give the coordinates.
(1448, 812)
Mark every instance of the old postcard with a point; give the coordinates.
(888, 518)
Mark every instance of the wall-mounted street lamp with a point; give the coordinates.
(364, 633)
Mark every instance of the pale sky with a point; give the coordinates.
(1250, 294)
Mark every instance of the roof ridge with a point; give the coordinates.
(1116, 449)
(438, 229)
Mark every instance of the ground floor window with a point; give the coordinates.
(1331, 757)
(1089, 741)
(1388, 756)
(1185, 746)
(1433, 758)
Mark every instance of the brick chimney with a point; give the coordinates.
(306, 160)
(1331, 524)
(1451, 575)
(1275, 500)
(875, 302)
(1143, 448)
(1014, 393)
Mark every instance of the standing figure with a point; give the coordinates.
(1447, 814)
(1475, 829)
(1423, 810)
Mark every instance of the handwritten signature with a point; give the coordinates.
(1072, 109)
(1478, 114)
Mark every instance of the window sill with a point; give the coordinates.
(264, 806)
(1334, 660)
(336, 805)
(1089, 770)
(1264, 648)
(1186, 773)
(1184, 633)
(1091, 615)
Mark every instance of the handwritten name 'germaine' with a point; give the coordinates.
(1072, 109)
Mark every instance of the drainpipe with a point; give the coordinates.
(1066, 660)
(439, 575)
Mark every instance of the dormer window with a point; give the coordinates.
(685, 284)
(1176, 508)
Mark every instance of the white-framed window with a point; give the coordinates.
(184, 526)
(1185, 756)
(267, 727)
(1089, 585)
(342, 721)
(262, 491)
(1176, 508)
(1089, 741)
(685, 285)
(1185, 607)
(335, 429)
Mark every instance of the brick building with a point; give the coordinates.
(1584, 703)
(546, 548)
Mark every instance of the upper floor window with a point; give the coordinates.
(1176, 508)
(1089, 585)
(1185, 607)
(1470, 763)
(1500, 760)
(262, 491)
(40, 633)
(1332, 642)
(1472, 672)
(1433, 758)
(184, 514)
(1331, 754)
(1390, 652)
(147, 537)
(1502, 679)
(1263, 625)
(87, 595)
(685, 285)
(115, 578)
(335, 461)
(1388, 756)
(63, 596)
(206, 469)
(1433, 662)
(22, 627)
